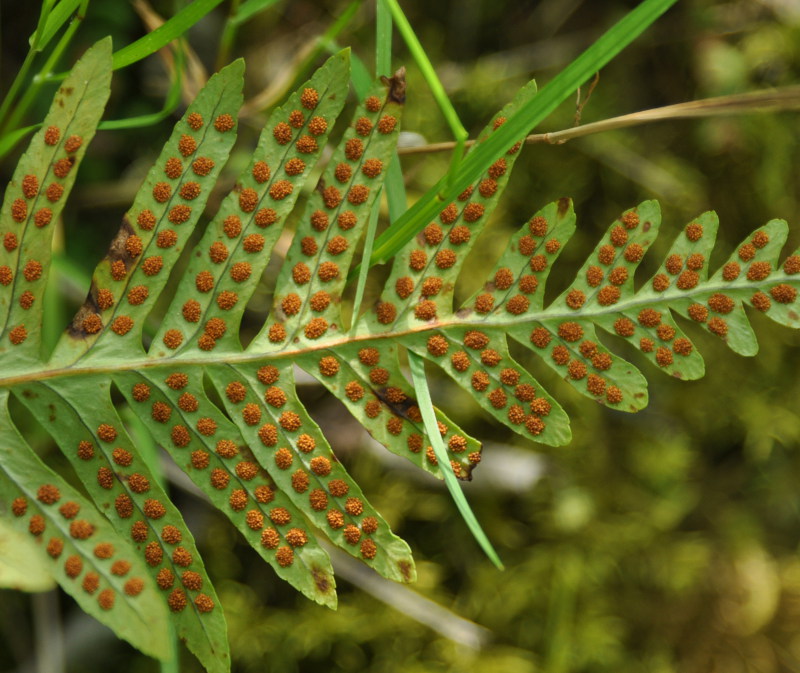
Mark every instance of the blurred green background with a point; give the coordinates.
(662, 541)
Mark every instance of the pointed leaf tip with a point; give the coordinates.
(235, 68)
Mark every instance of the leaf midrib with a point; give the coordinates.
(244, 357)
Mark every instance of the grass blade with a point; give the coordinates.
(57, 18)
(519, 125)
(429, 417)
(171, 102)
(439, 94)
(248, 9)
(164, 34)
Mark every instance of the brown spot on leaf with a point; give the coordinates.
(405, 570)
(397, 85)
(321, 580)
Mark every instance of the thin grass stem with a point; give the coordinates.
(437, 89)
(39, 80)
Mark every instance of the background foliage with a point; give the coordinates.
(661, 541)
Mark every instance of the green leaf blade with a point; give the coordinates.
(314, 272)
(88, 559)
(230, 258)
(368, 379)
(82, 419)
(223, 467)
(420, 287)
(22, 566)
(290, 445)
(479, 361)
(127, 283)
(36, 195)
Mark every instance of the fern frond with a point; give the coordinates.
(230, 258)
(230, 417)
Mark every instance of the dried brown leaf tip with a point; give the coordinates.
(397, 86)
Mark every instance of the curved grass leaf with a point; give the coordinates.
(423, 394)
(164, 34)
(519, 125)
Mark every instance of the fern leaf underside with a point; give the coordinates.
(259, 456)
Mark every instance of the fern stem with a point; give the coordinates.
(456, 322)
(786, 98)
(49, 633)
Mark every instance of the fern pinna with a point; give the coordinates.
(261, 459)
